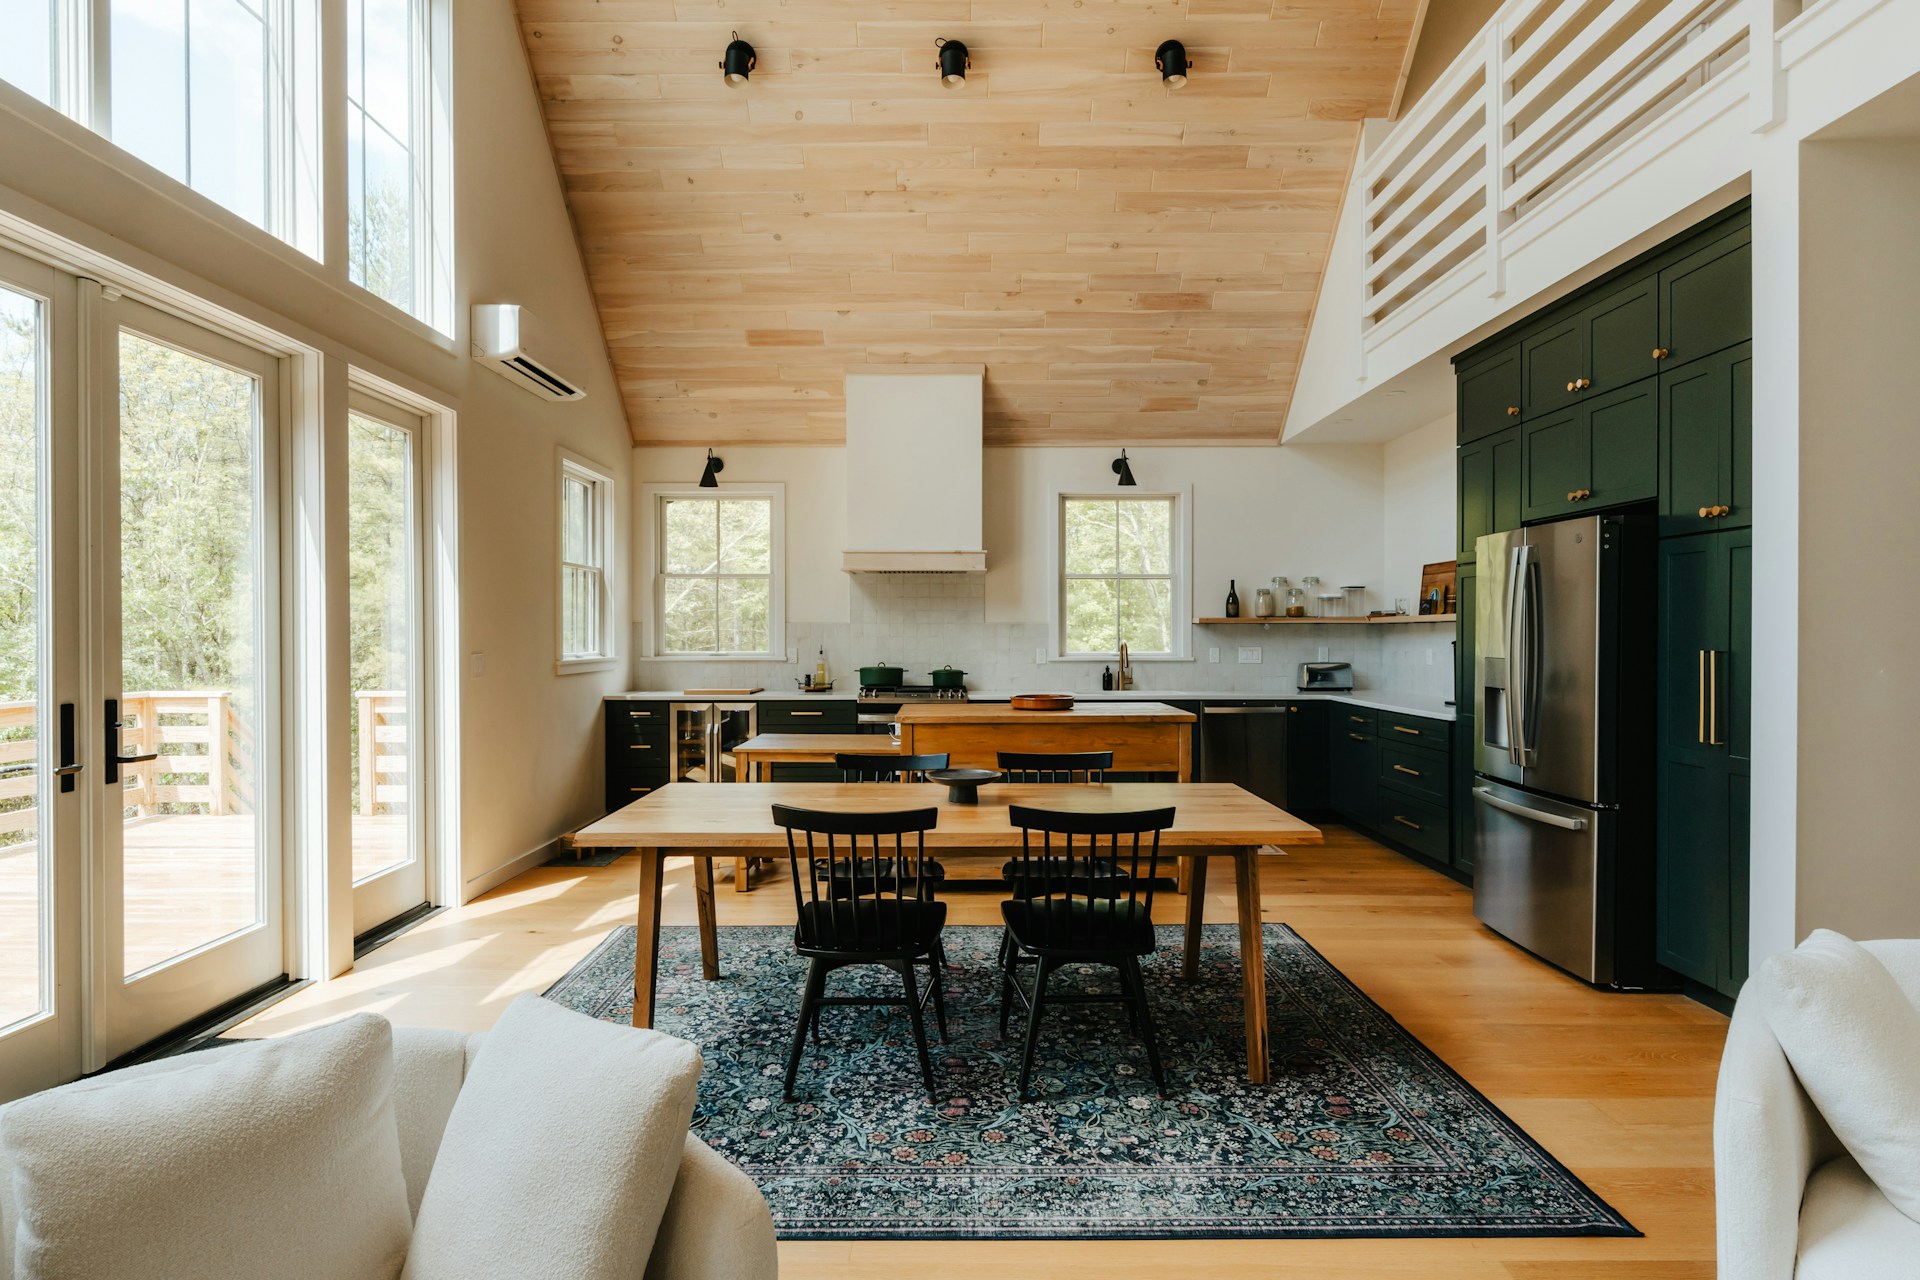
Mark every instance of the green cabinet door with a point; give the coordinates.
(1466, 593)
(1490, 488)
(1622, 330)
(1489, 394)
(1706, 299)
(1552, 360)
(1692, 914)
(1706, 428)
(1557, 460)
(1355, 759)
(1309, 772)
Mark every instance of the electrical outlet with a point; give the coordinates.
(477, 664)
(793, 654)
(1213, 653)
(1250, 653)
(1323, 653)
(1040, 657)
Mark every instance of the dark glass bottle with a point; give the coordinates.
(1233, 600)
(1106, 679)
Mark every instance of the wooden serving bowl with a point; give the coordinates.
(1042, 702)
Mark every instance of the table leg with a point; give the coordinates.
(646, 944)
(1253, 961)
(1183, 877)
(703, 899)
(1196, 904)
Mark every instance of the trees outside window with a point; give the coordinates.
(1119, 579)
(716, 575)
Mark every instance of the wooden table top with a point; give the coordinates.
(739, 815)
(1004, 713)
(776, 744)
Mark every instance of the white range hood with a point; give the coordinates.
(914, 469)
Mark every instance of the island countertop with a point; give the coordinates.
(971, 713)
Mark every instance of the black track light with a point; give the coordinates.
(954, 62)
(1125, 472)
(738, 62)
(714, 468)
(1170, 60)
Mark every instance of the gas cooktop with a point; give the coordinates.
(910, 693)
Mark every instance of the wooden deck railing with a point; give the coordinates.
(207, 758)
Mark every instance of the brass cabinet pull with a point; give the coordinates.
(1705, 512)
(639, 746)
(1400, 728)
(807, 713)
(1661, 353)
(1572, 496)
(1583, 383)
(1700, 734)
(1513, 411)
(1406, 822)
(1358, 737)
(1713, 699)
(1569, 386)
(641, 715)
(1584, 494)
(639, 791)
(1400, 768)
(1358, 719)
(1723, 511)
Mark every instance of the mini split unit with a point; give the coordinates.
(511, 341)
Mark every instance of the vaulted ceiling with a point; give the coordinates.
(1131, 263)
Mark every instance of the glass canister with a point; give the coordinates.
(1263, 602)
(1355, 601)
(1296, 599)
(1308, 604)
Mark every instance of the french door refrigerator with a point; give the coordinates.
(1563, 703)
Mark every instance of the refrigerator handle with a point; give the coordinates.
(1535, 639)
(1518, 655)
(1492, 801)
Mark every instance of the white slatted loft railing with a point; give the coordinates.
(1549, 92)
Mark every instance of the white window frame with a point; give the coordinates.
(1180, 565)
(655, 569)
(602, 524)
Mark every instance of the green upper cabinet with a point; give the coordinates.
(1552, 361)
(1621, 329)
(1706, 434)
(1489, 394)
(1706, 299)
(1490, 488)
(1602, 452)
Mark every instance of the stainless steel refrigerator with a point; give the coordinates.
(1563, 745)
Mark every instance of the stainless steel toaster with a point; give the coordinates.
(1320, 677)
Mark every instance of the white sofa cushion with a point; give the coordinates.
(1848, 1230)
(561, 1152)
(278, 1157)
(717, 1223)
(1853, 1038)
(429, 1066)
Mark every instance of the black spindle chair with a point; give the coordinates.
(890, 921)
(885, 768)
(1064, 916)
(1055, 766)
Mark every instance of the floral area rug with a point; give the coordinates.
(1362, 1131)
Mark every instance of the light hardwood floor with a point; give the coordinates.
(1618, 1087)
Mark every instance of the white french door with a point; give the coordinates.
(386, 629)
(186, 859)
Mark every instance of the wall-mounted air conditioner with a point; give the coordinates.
(511, 341)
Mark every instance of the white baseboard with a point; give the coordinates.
(508, 870)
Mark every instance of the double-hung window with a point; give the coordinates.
(1122, 576)
(586, 537)
(716, 585)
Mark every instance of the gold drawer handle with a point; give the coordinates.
(1513, 411)
(1400, 728)
(1358, 737)
(639, 791)
(1569, 386)
(1358, 719)
(1414, 773)
(809, 713)
(639, 746)
(641, 715)
(1406, 822)
(1661, 353)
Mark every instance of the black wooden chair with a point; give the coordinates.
(885, 768)
(1062, 916)
(1055, 766)
(894, 923)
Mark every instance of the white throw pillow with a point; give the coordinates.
(561, 1153)
(273, 1158)
(1853, 1038)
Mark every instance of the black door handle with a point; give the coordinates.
(68, 764)
(114, 758)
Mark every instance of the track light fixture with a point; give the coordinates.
(1170, 60)
(954, 62)
(714, 467)
(1125, 472)
(738, 62)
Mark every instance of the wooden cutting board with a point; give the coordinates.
(721, 693)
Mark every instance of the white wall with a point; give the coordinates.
(529, 738)
(1420, 500)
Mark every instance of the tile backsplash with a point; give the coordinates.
(924, 621)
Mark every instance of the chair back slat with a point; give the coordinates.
(1055, 766)
(846, 845)
(1057, 876)
(860, 767)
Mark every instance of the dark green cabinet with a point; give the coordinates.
(1600, 453)
(639, 752)
(1622, 328)
(1706, 298)
(1309, 771)
(1705, 691)
(1491, 486)
(1489, 394)
(1706, 443)
(1355, 759)
(1552, 360)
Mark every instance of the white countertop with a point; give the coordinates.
(1410, 704)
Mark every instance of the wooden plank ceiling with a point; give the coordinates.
(1131, 263)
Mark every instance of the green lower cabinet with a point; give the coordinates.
(1309, 771)
(1693, 916)
(1491, 484)
(1355, 768)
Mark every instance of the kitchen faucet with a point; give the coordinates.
(1124, 678)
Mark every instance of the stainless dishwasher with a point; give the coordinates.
(1246, 745)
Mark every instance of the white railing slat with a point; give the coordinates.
(1618, 64)
(1447, 209)
(1428, 261)
(1523, 57)
(1475, 103)
(1439, 178)
(1414, 123)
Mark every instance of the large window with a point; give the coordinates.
(586, 534)
(393, 177)
(715, 561)
(1120, 576)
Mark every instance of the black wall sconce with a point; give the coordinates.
(1124, 471)
(1170, 60)
(738, 62)
(714, 468)
(954, 62)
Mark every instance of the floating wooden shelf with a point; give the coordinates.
(1390, 619)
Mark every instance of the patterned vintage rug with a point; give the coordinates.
(1363, 1132)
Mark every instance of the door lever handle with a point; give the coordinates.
(139, 759)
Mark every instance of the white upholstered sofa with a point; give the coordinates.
(1792, 1203)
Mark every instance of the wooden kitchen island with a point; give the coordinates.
(1145, 737)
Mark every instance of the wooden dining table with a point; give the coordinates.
(689, 820)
